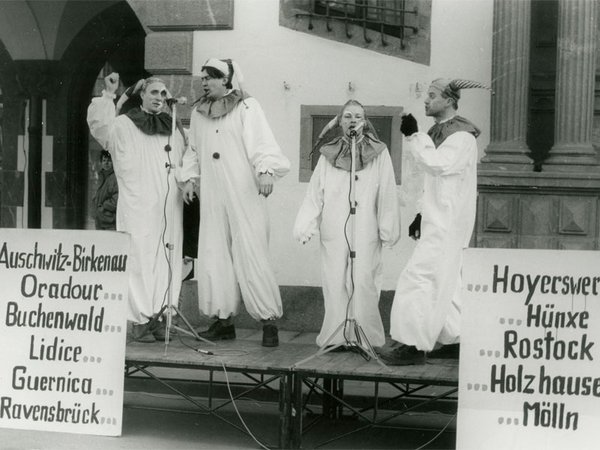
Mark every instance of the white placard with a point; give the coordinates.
(63, 325)
(529, 375)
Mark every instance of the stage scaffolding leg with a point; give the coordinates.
(285, 410)
(297, 411)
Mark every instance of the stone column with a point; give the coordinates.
(510, 83)
(38, 80)
(576, 67)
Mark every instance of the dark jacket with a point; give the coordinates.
(106, 201)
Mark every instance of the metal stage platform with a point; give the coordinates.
(242, 368)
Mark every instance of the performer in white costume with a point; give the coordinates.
(150, 203)
(426, 306)
(239, 160)
(326, 210)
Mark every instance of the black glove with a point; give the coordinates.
(414, 229)
(408, 125)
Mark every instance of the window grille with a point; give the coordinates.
(387, 17)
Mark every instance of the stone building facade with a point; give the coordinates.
(539, 183)
(51, 55)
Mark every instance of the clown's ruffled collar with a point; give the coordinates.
(214, 109)
(338, 151)
(149, 123)
(440, 131)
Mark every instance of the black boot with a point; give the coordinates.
(449, 351)
(160, 330)
(270, 335)
(141, 333)
(404, 355)
(220, 330)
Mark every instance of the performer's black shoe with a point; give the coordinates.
(270, 335)
(141, 333)
(405, 355)
(450, 351)
(219, 331)
(159, 331)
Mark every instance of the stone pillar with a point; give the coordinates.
(38, 80)
(510, 83)
(576, 67)
(34, 199)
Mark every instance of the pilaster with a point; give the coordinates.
(510, 82)
(576, 66)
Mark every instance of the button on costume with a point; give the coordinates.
(233, 144)
(150, 203)
(325, 209)
(426, 306)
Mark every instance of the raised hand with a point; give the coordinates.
(111, 82)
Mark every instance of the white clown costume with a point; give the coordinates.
(325, 209)
(150, 204)
(426, 307)
(233, 144)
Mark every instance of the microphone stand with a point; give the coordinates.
(170, 308)
(357, 341)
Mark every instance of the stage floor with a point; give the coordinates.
(246, 352)
(295, 370)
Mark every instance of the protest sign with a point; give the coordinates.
(63, 301)
(529, 372)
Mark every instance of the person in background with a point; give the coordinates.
(426, 306)
(107, 194)
(239, 161)
(351, 285)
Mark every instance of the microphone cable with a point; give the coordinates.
(350, 250)
(426, 444)
(223, 352)
(166, 245)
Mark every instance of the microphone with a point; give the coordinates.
(354, 130)
(173, 100)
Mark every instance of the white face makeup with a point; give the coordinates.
(352, 118)
(153, 98)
